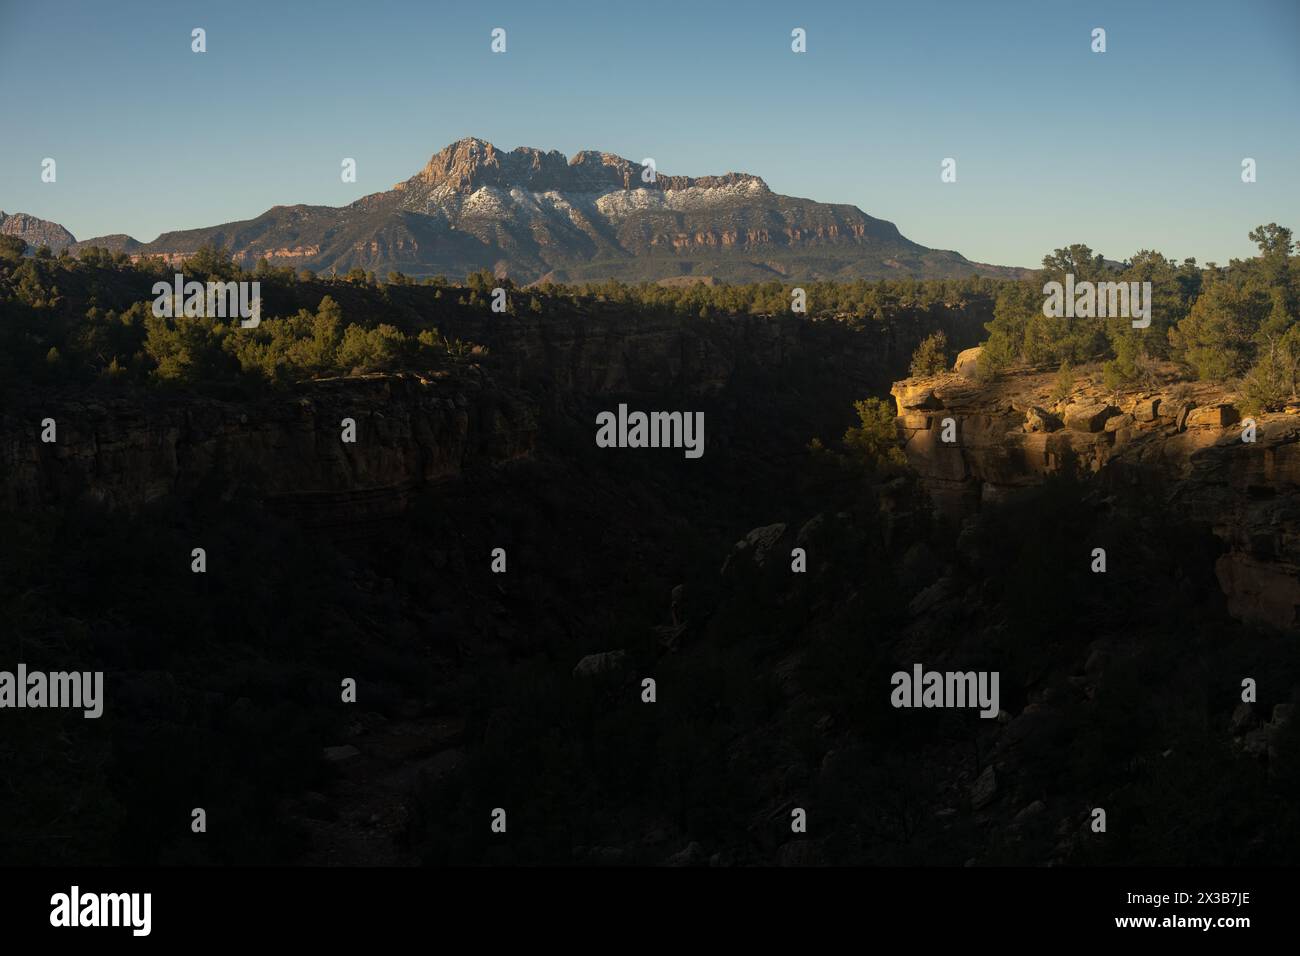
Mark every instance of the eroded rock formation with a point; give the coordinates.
(1183, 441)
(285, 450)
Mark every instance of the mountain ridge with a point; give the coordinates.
(531, 215)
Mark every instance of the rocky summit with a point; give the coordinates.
(534, 215)
(35, 232)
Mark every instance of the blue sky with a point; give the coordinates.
(1137, 147)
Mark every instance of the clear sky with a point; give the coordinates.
(1137, 147)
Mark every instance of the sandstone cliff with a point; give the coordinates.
(1182, 442)
(284, 450)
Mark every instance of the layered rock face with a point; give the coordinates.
(1181, 441)
(468, 165)
(287, 451)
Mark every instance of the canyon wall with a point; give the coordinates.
(287, 450)
(1180, 444)
(126, 449)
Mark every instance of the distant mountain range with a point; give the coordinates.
(536, 215)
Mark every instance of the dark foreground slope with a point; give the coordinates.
(476, 690)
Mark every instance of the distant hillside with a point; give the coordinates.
(530, 214)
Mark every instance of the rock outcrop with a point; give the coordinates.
(756, 545)
(596, 665)
(1183, 440)
(968, 362)
(286, 451)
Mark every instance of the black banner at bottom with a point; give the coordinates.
(335, 906)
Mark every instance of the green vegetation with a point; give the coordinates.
(1271, 381)
(873, 442)
(1230, 324)
(79, 321)
(931, 356)
(11, 248)
(883, 302)
(1064, 385)
(94, 312)
(89, 318)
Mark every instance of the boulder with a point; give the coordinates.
(1088, 418)
(760, 541)
(1039, 419)
(930, 597)
(798, 853)
(1256, 742)
(692, 855)
(677, 605)
(968, 362)
(757, 544)
(1146, 409)
(606, 855)
(1177, 412)
(916, 396)
(1219, 415)
(593, 665)
(984, 789)
(810, 528)
(1115, 423)
(1032, 810)
(342, 755)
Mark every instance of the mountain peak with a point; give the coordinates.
(35, 232)
(589, 217)
(471, 163)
